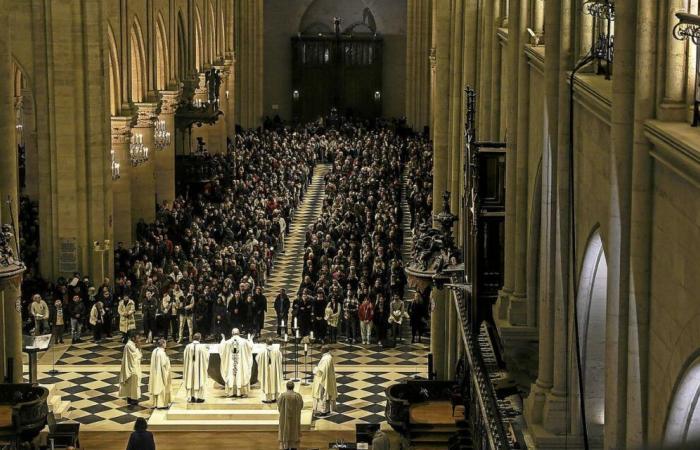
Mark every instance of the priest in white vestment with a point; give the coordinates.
(270, 372)
(324, 389)
(236, 364)
(130, 374)
(161, 378)
(195, 363)
(289, 405)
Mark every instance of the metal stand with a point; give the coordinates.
(295, 334)
(305, 381)
(53, 370)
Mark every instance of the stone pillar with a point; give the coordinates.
(143, 185)
(493, 131)
(673, 106)
(417, 63)
(165, 159)
(518, 308)
(121, 188)
(229, 96)
(217, 132)
(11, 330)
(249, 51)
(201, 93)
(440, 96)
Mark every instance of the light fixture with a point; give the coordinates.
(603, 33)
(295, 94)
(161, 135)
(377, 96)
(688, 28)
(138, 153)
(226, 94)
(115, 166)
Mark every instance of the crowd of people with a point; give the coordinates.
(203, 263)
(353, 277)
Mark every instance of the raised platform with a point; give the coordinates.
(224, 414)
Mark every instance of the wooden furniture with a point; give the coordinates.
(23, 411)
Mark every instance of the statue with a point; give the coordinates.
(7, 256)
(434, 249)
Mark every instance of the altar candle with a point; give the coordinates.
(306, 348)
(283, 324)
(312, 335)
(295, 323)
(285, 337)
(297, 333)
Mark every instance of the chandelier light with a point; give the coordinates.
(688, 29)
(161, 135)
(115, 167)
(138, 153)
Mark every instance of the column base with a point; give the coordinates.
(517, 310)
(533, 405)
(543, 440)
(554, 413)
(500, 309)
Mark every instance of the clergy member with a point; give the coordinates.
(236, 364)
(195, 365)
(130, 374)
(161, 378)
(324, 390)
(289, 405)
(270, 372)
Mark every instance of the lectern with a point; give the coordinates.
(32, 345)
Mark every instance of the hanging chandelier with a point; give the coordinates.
(161, 135)
(115, 166)
(138, 153)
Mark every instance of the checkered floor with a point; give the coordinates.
(88, 372)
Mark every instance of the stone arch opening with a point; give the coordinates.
(683, 420)
(114, 76)
(162, 54)
(211, 34)
(591, 304)
(138, 63)
(181, 53)
(198, 41)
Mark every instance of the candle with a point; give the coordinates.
(248, 336)
(295, 323)
(285, 337)
(297, 333)
(312, 335)
(283, 324)
(306, 348)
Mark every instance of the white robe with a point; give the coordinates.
(195, 364)
(161, 378)
(270, 372)
(130, 374)
(324, 389)
(236, 364)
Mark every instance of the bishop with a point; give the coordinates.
(236, 364)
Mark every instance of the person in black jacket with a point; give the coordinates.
(149, 309)
(282, 311)
(260, 309)
(77, 317)
(141, 439)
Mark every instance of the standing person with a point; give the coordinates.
(416, 311)
(130, 374)
(77, 312)
(289, 405)
(324, 389)
(97, 320)
(381, 315)
(161, 378)
(169, 307)
(110, 310)
(270, 372)
(58, 321)
(127, 320)
(319, 312)
(195, 364)
(282, 311)
(352, 320)
(304, 314)
(396, 316)
(249, 314)
(260, 310)
(40, 312)
(141, 438)
(185, 312)
(219, 323)
(236, 364)
(332, 318)
(149, 309)
(366, 315)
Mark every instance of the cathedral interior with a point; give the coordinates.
(450, 224)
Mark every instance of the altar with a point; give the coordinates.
(214, 369)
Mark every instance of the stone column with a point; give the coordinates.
(673, 106)
(165, 159)
(229, 96)
(441, 85)
(201, 93)
(518, 308)
(217, 132)
(121, 188)
(417, 63)
(493, 131)
(143, 185)
(11, 330)
(249, 49)
(412, 41)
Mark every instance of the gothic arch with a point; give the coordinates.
(211, 34)
(534, 248)
(162, 54)
(181, 53)
(591, 307)
(115, 97)
(137, 63)
(198, 41)
(683, 418)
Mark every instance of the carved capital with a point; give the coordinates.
(146, 114)
(169, 101)
(121, 130)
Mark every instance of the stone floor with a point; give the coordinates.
(87, 372)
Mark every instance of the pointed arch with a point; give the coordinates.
(162, 54)
(137, 63)
(198, 40)
(211, 34)
(683, 418)
(115, 96)
(221, 38)
(181, 53)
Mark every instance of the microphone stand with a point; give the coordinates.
(296, 378)
(53, 370)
